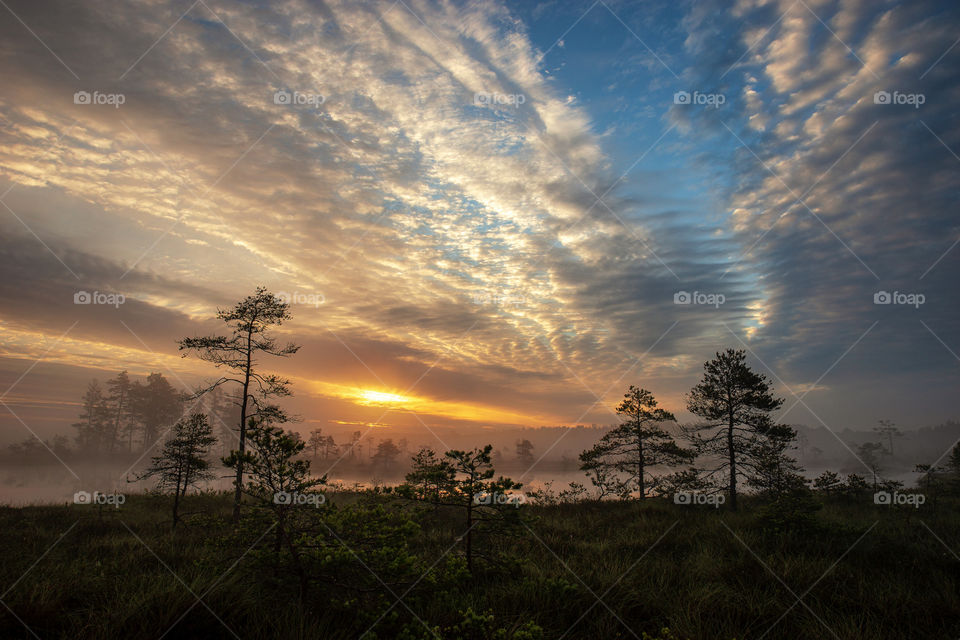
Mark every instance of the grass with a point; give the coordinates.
(588, 570)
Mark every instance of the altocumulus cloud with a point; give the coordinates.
(838, 192)
(285, 144)
(397, 173)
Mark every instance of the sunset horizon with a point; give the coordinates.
(457, 206)
(479, 319)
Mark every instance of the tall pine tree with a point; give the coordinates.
(735, 404)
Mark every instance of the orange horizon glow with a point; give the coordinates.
(380, 398)
(393, 400)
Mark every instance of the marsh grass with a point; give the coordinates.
(862, 571)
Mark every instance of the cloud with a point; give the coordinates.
(444, 200)
(439, 190)
(838, 197)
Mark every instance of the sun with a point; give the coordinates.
(368, 396)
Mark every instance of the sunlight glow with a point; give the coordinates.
(426, 406)
(368, 396)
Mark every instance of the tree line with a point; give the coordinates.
(736, 444)
(736, 441)
(126, 414)
(303, 538)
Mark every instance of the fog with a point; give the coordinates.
(34, 474)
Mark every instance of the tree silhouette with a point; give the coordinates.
(525, 451)
(94, 419)
(776, 473)
(870, 453)
(182, 462)
(465, 480)
(736, 404)
(248, 320)
(355, 444)
(829, 482)
(387, 453)
(429, 478)
(316, 441)
(275, 474)
(155, 405)
(624, 454)
(889, 431)
(119, 398)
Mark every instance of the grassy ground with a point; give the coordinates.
(589, 570)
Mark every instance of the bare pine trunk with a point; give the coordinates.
(243, 431)
(733, 466)
(643, 491)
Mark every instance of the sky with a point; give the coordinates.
(486, 214)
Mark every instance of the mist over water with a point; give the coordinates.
(44, 480)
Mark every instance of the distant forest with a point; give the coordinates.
(464, 534)
(126, 418)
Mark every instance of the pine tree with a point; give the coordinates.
(525, 452)
(155, 405)
(464, 480)
(870, 454)
(624, 455)
(249, 322)
(386, 454)
(736, 404)
(775, 472)
(94, 420)
(182, 463)
(316, 442)
(119, 400)
(828, 482)
(277, 479)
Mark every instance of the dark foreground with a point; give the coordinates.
(586, 570)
